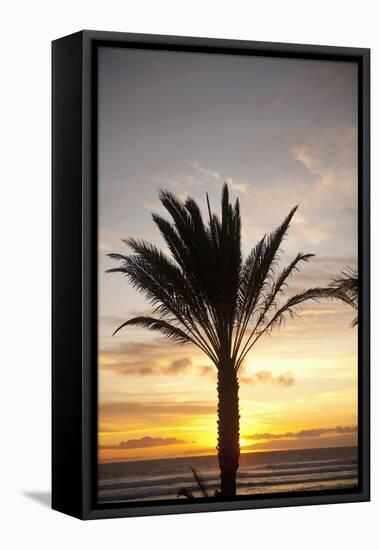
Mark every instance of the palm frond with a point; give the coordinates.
(345, 287)
(288, 309)
(201, 482)
(170, 331)
(204, 290)
(202, 486)
(256, 275)
(186, 493)
(152, 283)
(175, 244)
(312, 294)
(278, 286)
(347, 282)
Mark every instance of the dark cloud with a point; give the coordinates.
(264, 376)
(140, 359)
(142, 442)
(207, 370)
(143, 359)
(284, 380)
(333, 440)
(178, 366)
(311, 433)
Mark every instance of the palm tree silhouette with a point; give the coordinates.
(206, 294)
(345, 288)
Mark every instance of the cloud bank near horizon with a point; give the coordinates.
(144, 442)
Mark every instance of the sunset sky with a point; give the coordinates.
(280, 132)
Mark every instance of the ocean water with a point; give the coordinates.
(264, 472)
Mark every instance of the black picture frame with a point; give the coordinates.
(74, 295)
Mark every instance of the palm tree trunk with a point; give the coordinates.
(228, 427)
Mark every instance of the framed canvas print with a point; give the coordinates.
(210, 275)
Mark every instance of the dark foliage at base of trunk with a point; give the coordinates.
(201, 486)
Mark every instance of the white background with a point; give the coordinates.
(26, 31)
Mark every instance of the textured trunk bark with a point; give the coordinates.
(228, 427)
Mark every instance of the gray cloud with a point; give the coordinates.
(178, 366)
(264, 377)
(304, 434)
(140, 359)
(341, 440)
(143, 442)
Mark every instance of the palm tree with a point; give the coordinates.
(345, 288)
(207, 295)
